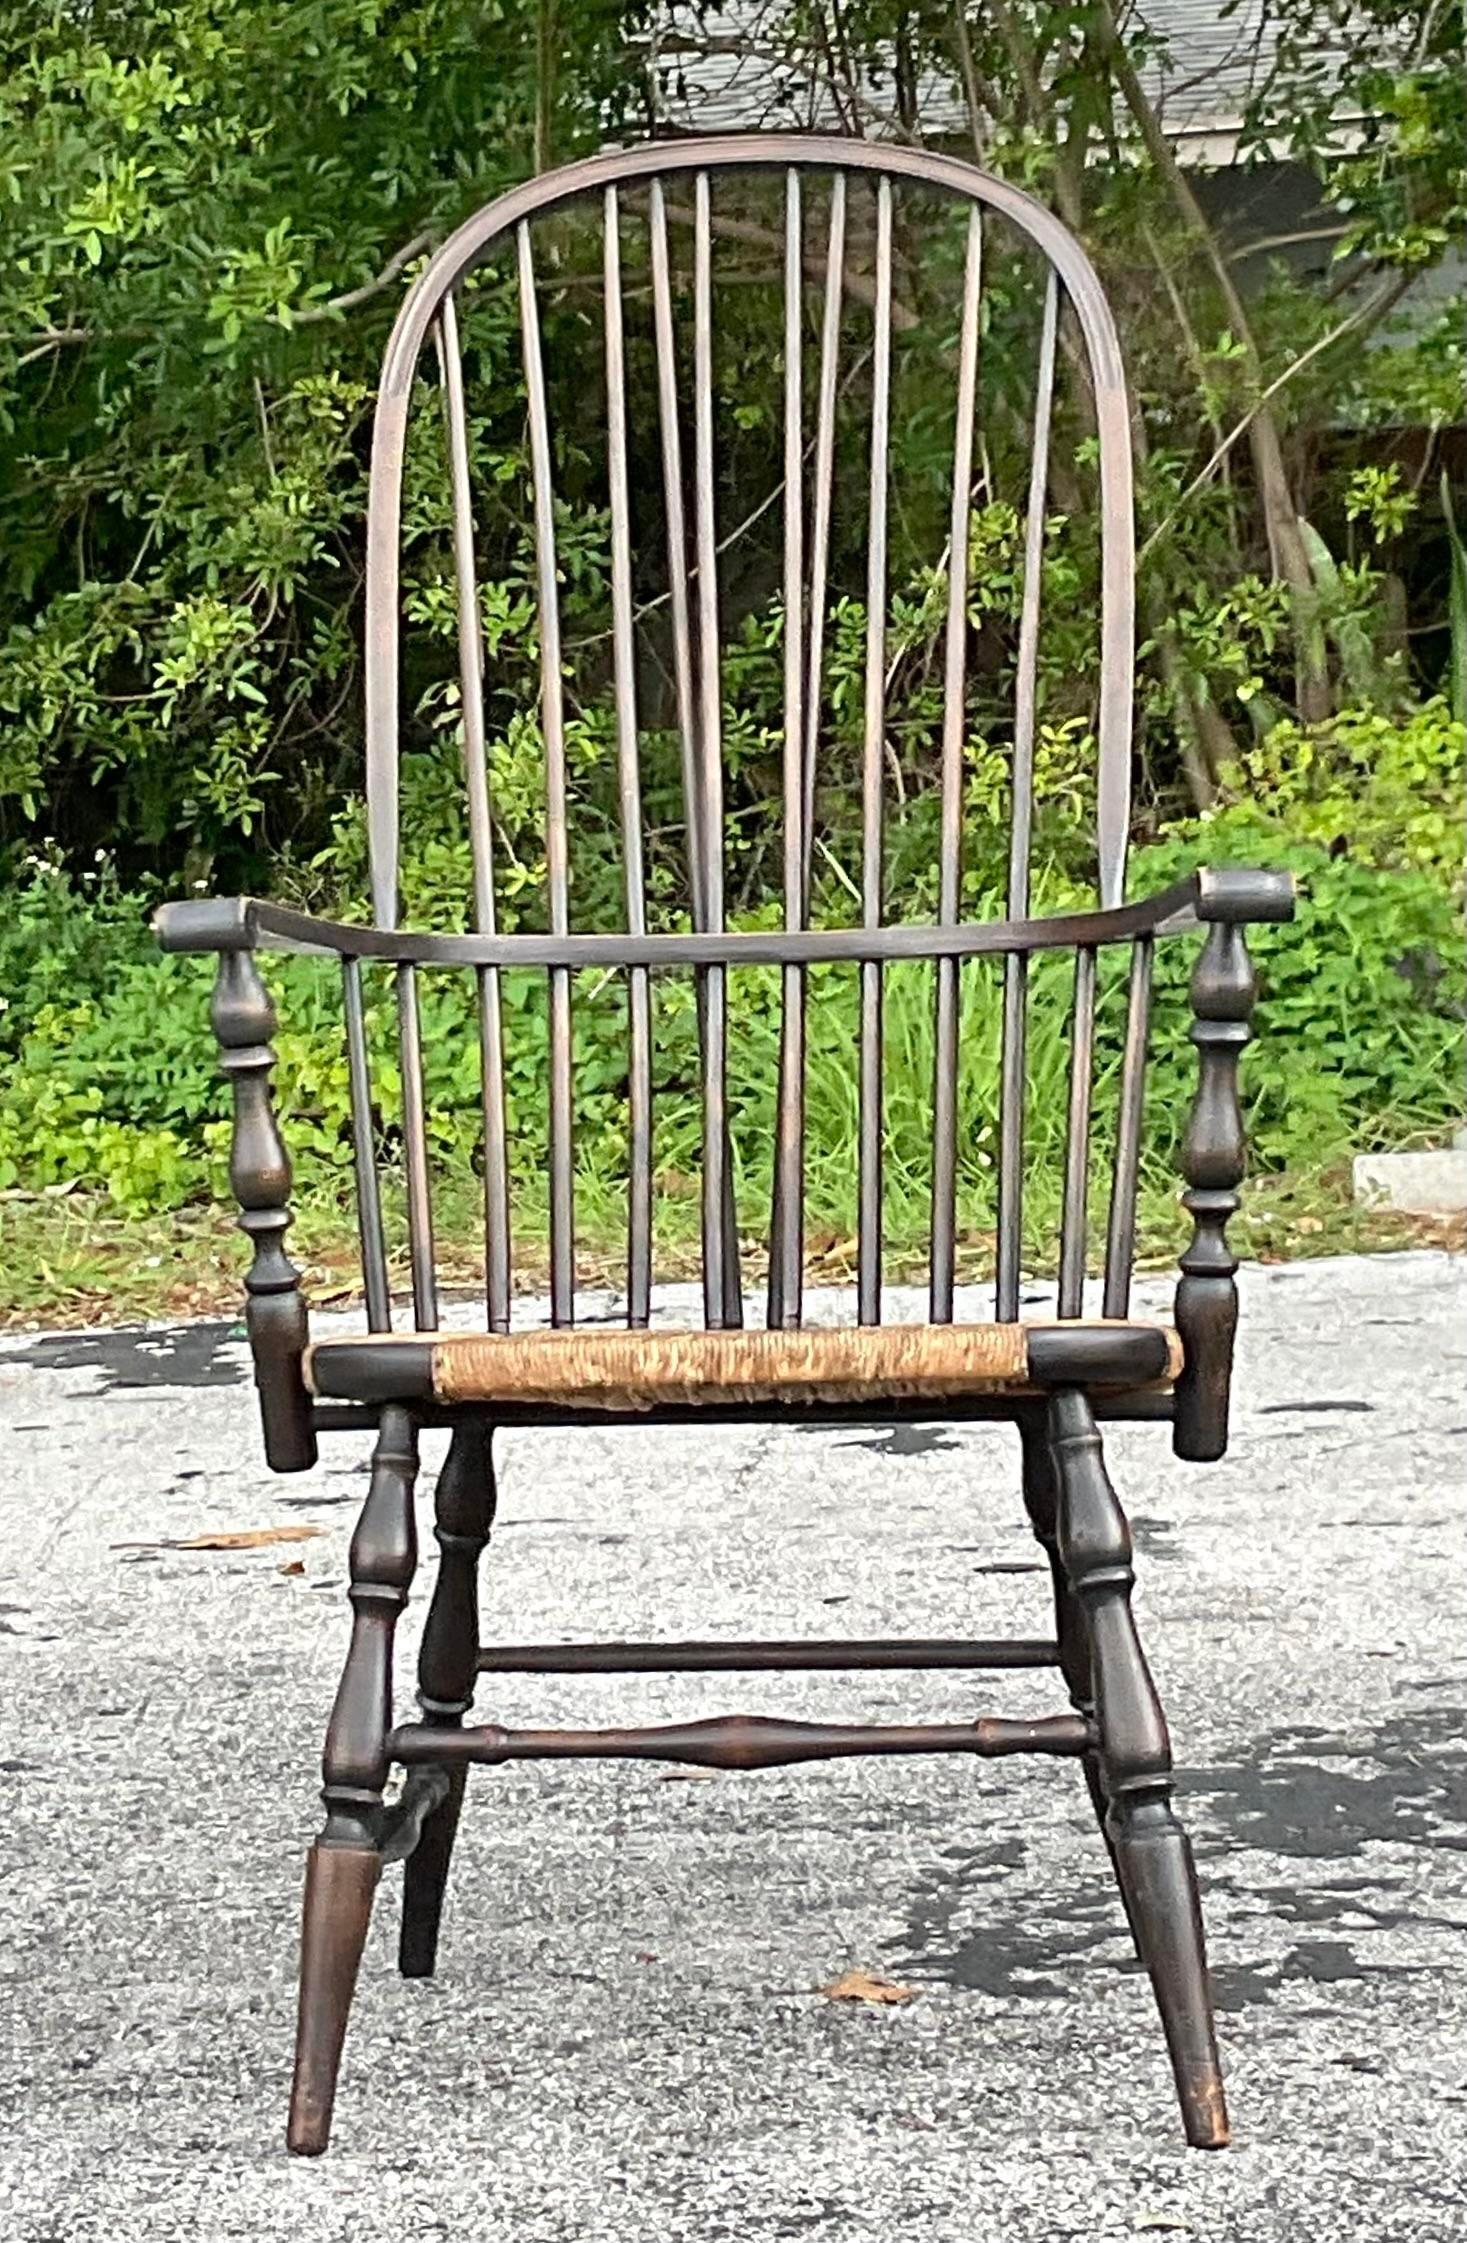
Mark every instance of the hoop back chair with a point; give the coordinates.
(841, 271)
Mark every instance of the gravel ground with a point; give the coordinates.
(626, 2042)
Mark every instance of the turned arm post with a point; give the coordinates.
(259, 1173)
(1213, 1151)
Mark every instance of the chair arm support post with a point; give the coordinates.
(1213, 1150)
(243, 1020)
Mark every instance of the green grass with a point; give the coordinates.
(74, 1258)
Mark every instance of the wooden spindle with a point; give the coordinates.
(786, 1247)
(1014, 1064)
(1077, 1138)
(448, 1658)
(481, 828)
(415, 1153)
(950, 873)
(629, 789)
(364, 1152)
(1120, 1247)
(1223, 994)
(821, 507)
(243, 1021)
(868, 1223)
(721, 1290)
(557, 855)
(1012, 1096)
(677, 550)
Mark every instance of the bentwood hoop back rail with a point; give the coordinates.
(584, 317)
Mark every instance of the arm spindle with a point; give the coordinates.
(259, 1173)
(1223, 993)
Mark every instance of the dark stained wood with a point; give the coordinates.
(745, 1741)
(873, 748)
(1223, 993)
(629, 790)
(243, 1020)
(415, 1153)
(1152, 1856)
(463, 1505)
(787, 1211)
(788, 1657)
(1120, 1244)
(248, 923)
(346, 1860)
(1088, 1372)
(1041, 1501)
(557, 844)
(954, 727)
(381, 1563)
(1077, 1145)
(481, 830)
(341, 1882)
(364, 1152)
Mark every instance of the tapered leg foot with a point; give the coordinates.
(1041, 1500)
(424, 1881)
(447, 1666)
(1153, 1860)
(1154, 1865)
(340, 1884)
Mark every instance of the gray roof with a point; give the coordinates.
(732, 70)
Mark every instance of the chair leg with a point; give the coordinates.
(464, 1504)
(345, 1862)
(1041, 1501)
(1153, 1859)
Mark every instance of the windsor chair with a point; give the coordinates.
(845, 278)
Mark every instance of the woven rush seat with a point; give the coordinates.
(647, 1370)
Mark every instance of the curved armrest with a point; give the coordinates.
(1228, 897)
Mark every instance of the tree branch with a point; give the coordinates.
(1363, 317)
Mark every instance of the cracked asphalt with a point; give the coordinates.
(626, 2041)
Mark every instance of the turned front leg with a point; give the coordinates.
(346, 1860)
(1072, 1632)
(1152, 1857)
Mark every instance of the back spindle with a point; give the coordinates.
(364, 1152)
(415, 1153)
(786, 1252)
(950, 873)
(1014, 1066)
(1120, 1248)
(868, 1263)
(1077, 1138)
(481, 830)
(629, 790)
(557, 860)
(722, 1303)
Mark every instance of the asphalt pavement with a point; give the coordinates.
(626, 2041)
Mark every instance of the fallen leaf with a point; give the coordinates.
(865, 1986)
(292, 1565)
(250, 1538)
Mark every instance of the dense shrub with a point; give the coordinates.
(110, 1078)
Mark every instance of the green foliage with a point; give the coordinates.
(110, 1080)
(208, 211)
